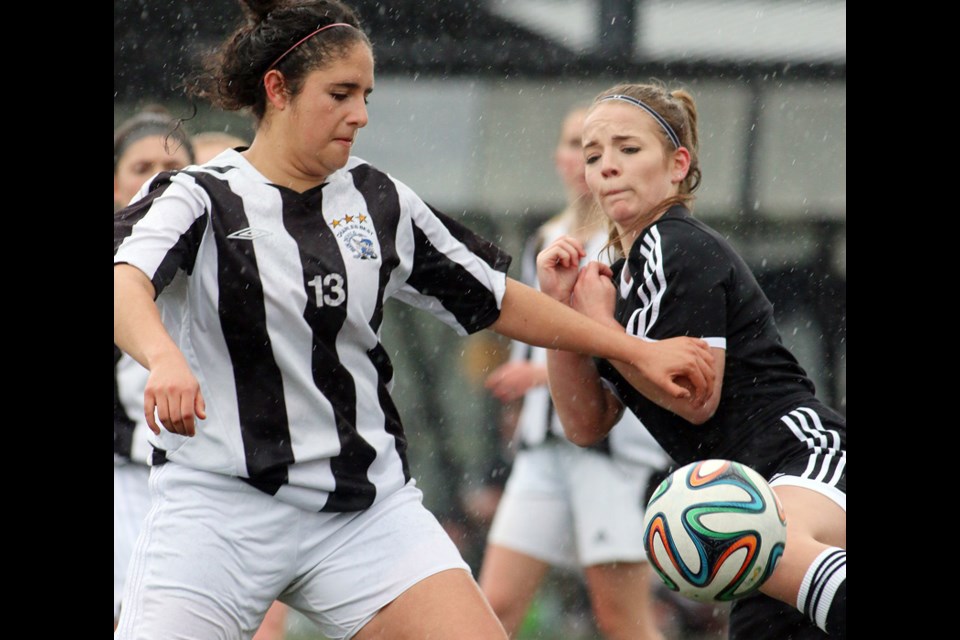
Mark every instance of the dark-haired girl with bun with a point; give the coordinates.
(253, 291)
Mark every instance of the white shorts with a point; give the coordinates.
(572, 507)
(131, 502)
(215, 553)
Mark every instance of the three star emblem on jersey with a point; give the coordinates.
(356, 234)
(248, 234)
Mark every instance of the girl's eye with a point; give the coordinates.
(591, 159)
(631, 150)
(339, 97)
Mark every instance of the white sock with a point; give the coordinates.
(823, 592)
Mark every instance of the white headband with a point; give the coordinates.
(663, 123)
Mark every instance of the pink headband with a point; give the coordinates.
(304, 39)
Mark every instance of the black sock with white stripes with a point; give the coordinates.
(823, 593)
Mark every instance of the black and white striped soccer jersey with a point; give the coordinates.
(276, 299)
(538, 420)
(688, 281)
(130, 430)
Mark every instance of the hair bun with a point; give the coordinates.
(258, 9)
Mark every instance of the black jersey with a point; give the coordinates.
(276, 300)
(687, 280)
(538, 421)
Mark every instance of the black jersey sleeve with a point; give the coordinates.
(680, 280)
(491, 253)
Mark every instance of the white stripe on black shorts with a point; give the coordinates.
(818, 453)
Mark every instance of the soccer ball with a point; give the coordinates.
(714, 530)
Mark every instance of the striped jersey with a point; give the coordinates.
(276, 299)
(130, 430)
(629, 439)
(682, 278)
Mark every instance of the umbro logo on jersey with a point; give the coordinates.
(248, 234)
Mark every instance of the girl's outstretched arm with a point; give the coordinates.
(677, 368)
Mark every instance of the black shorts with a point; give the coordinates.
(806, 446)
(760, 617)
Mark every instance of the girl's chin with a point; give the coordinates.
(620, 213)
(338, 159)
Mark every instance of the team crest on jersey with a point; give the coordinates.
(355, 232)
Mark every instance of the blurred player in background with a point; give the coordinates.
(144, 145)
(207, 145)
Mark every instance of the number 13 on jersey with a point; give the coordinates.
(329, 289)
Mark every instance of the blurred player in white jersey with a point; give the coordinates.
(143, 145)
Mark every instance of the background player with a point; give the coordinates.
(207, 145)
(143, 145)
